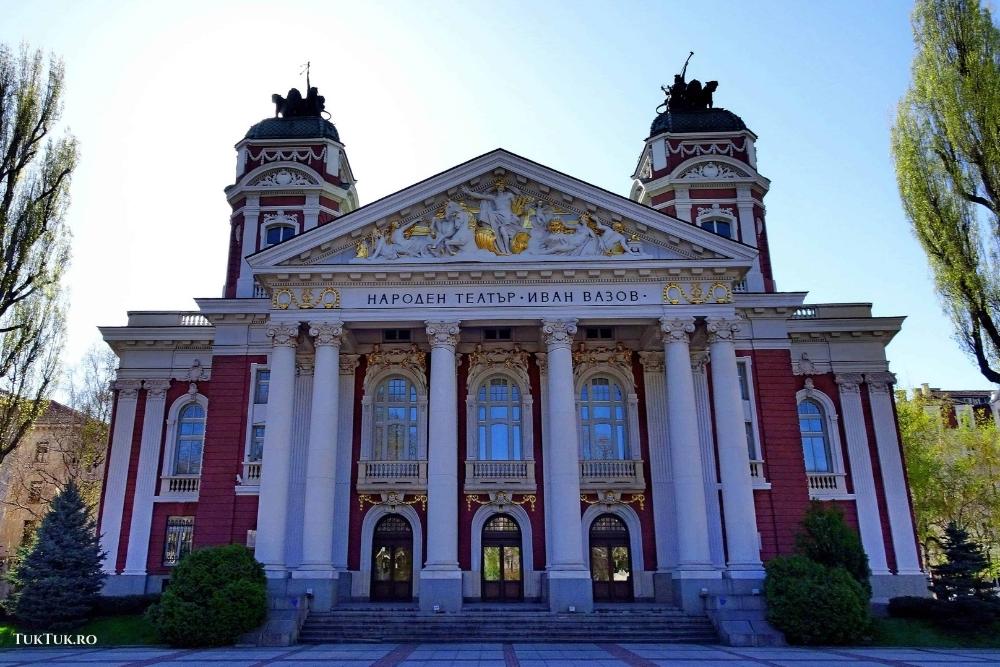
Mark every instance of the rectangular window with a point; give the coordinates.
(35, 492)
(599, 333)
(251, 538)
(180, 533)
(261, 386)
(749, 408)
(256, 443)
(396, 335)
(498, 334)
(42, 452)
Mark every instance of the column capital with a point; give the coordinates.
(652, 362)
(349, 363)
(699, 358)
(676, 329)
(128, 389)
(849, 383)
(880, 383)
(327, 333)
(559, 333)
(443, 333)
(156, 388)
(283, 335)
(722, 329)
(542, 359)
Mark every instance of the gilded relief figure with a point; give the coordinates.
(496, 211)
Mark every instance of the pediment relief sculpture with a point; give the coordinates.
(502, 222)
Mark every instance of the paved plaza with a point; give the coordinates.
(503, 655)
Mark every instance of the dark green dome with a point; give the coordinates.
(299, 127)
(696, 121)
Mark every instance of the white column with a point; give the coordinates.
(706, 437)
(114, 491)
(145, 483)
(693, 554)
(276, 461)
(542, 359)
(893, 478)
(441, 580)
(853, 418)
(734, 459)
(567, 571)
(345, 442)
(321, 457)
(251, 220)
(310, 212)
(659, 460)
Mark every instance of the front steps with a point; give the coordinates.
(518, 623)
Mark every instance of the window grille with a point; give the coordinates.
(179, 538)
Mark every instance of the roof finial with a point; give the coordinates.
(305, 68)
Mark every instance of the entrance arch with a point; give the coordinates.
(610, 559)
(392, 559)
(502, 569)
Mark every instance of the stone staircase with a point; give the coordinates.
(519, 623)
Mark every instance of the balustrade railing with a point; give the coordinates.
(821, 483)
(625, 474)
(180, 484)
(506, 475)
(374, 475)
(251, 473)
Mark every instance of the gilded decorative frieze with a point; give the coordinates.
(515, 360)
(304, 298)
(619, 355)
(675, 293)
(501, 499)
(609, 498)
(391, 500)
(412, 358)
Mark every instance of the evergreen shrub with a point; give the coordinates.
(815, 604)
(215, 595)
(828, 540)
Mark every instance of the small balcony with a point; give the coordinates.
(182, 487)
(620, 474)
(377, 476)
(486, 476)
(827, 484)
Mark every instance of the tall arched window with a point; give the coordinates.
(498, 415)
(603, 420)
(190, 440)
(395, 420)
(815, 439)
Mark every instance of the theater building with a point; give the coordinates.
(502, 383)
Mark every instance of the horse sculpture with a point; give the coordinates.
(295, 106)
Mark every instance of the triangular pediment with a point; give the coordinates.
(499, 209)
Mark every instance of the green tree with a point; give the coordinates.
(57, 581)
(946, 145)
(962, 574)
(954, 476)
(35, 171)
(828, 540)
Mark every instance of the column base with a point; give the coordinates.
(691, 588)
(570, 588)
(275, 571)
(124, 584)
(887, 586)
(441, 589)
(745, 571)
(321, 585)
(663, 587)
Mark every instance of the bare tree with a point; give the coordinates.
(35, 172)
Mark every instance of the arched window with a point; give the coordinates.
(498, 415)
(720, 227)
(395, 420)
(603, 420)
(815, 439)
(190, 440)
(278, 233)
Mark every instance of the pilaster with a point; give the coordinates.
(121, 450)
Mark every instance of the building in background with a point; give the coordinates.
(962, 406)
(503, 383)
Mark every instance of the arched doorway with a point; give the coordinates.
(392, 559)
(610, 559)
(501, 564)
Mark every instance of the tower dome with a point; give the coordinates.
(696, 121)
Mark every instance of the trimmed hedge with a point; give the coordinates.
(815, 604)
(215, 595)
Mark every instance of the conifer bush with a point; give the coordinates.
(828, 540)
(215, 595)
(57, 580)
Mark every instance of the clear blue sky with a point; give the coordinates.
(158, 93)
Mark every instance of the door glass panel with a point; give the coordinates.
(599, 563)
(383, 564)
(403, 565)
(619, 563)
(491, 563)
(512, 563)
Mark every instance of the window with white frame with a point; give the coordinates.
(277, 233)
(603, 420)
(262, 385)
(256, 451)
(815, 437)
(394, 423)
(190, 440)
(498, 416)
(718, 226)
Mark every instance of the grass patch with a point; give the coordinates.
(918, 633)
(110, 631)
